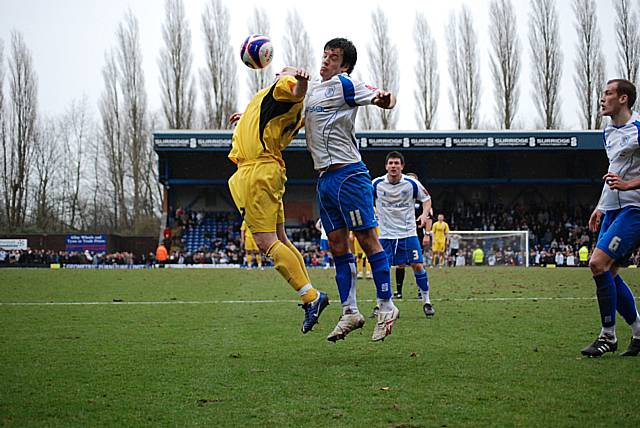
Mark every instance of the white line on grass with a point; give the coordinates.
(216, 302)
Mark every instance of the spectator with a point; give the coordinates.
(161, 254)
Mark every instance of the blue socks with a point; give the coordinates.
(607, 297)
(345, 275)
(422, 280)
(626, 303)
(381, 274)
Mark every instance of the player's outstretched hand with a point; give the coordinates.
(301, 74)
(384, 99)
(235, 117)
(594, 220)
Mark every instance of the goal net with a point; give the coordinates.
(498, 248)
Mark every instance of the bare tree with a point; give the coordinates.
(95, 186)
(218, 79)
(455, 70)
(298, 51)
(366, 115)
(17, 148)
(153, 189)
(259, 79)
(426, 71)
(505, 60)
(546, 60)
(628, 38)
(3, 138)
(74, 127)
(464, 69)
(115, 143)
(470, 70)
(176, 82)
(589, 61)
(600, 82)
(47, 154)
(383, 64)
(134, 100)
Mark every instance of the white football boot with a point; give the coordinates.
(347, 323)
(385, 324)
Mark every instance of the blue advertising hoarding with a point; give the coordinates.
(92, 243)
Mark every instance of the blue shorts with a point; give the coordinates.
(620, 232)
(345, 198)
(324, 244)
(403, 251)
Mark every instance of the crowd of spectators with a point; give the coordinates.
(555, 236)
(556, 232)
(45, 258)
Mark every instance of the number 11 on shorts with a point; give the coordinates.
(356, 218)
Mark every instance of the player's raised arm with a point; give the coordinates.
(299, 89)
(302, 77)
(384, 99)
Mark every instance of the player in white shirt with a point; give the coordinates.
(620, 228)
(324, 245)
(344, 187)
(395, 195)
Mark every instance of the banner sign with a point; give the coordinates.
(90, 266)
(13, 244)
(461, 140)
(81, 243)
(200, 266)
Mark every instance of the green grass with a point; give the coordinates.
(478, 362)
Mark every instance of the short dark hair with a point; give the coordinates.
(394, 155)
(625, 87)
(349, 52)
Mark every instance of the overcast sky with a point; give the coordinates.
(68, 40)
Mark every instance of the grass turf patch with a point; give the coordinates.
(479, 361)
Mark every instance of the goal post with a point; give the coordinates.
(499, 247)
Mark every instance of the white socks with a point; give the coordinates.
(635, 328)
(609, 331)
(386, 305)
(425, 297)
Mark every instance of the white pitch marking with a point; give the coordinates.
(217, 302)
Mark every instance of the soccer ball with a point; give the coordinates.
(256, 51)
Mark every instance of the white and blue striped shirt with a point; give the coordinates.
(330, 114)
(622, 144)
(395, 205)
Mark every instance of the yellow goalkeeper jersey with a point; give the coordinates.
(440, 230)
(269, 123)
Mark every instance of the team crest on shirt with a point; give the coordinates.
(625, 140)
(329, 92)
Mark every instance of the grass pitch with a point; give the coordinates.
(502, 350)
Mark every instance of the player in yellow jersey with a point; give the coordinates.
(440, 233)
(267, 126)
(250, 247)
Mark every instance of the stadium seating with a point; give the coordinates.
(214, 227)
